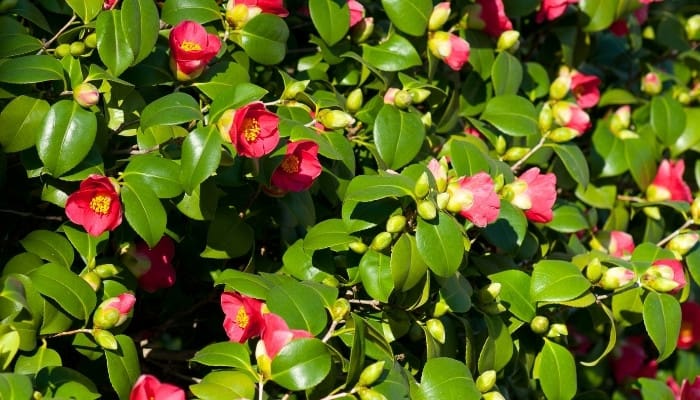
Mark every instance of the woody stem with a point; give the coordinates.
(599, 298)
(60, 31)
(675, 233)
(68, 333)
(529, 154)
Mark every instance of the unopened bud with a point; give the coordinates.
(224, 124)
(381, 241)
(105, 339)
(426, 209)
(508, 40)
(620, 119)
(486, 381)
(651, 84)
(441, 308)
(493, 396)
(557, 330)
(354, 101)
(626, 134)
(695, 210)
(113, 311)
(562, 134)
(86, 94)
(683, 243)
(692, 27)
(363, 30)
(440, 14)
(515, 153)
(442, 199)
(371, 373)
(489, 293)
(106, 271)
(540, 325)
(77, 49)
(419, 95)
(560, 87)
(92, 279)
(616, 277)
(427, 119)
(594, 270)
(62, 50)
(501, 145)
(293, 89)
(657, 193)
(652, 212)
(370, 394)
(334, 119)
(358, 247)
(494, 308)
(545, 118)
(403, 99)
(91, 40)
(331, 281)
(340, 309)
(395, 223)
(422, 186)
(436, 329)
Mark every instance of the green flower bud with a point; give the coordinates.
(340, 308)
(354, 101)
(358, 247)
(363, 30)
(395, 224)
(594, 270)
(540, 325)
(422, 186)
(371, 373)
(508, 40)
(426, 209)
(648, 33)
(77, 49)
(331, 281)
(62, 50)
(692, 27)
(489, 293)
(442, 199)
(105, 339)
(621, 119)
(515, 153)
(436, 329)
(370, 394)
(683, 243)
(494, 308)
(403, 99)
(91, 40)
(440, 14)
(695, 210)
(626, 134)
(381, 241)
(492, 396)
(224, 124)
(92, 279)
(86, 94)
(419, 95)
(651, 84)
(334, 119)
(427, 119)
(562, 134)
(557, 330)
(560, 87)
(105, 271)
(616, 277)
(294, 88)
(501, 145)
(486, 381)
(441, 308)
(545, 118)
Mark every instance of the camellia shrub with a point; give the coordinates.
(333, 199)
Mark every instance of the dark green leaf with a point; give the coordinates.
(301, 364)
(73, 294)
(328, 233)
(160, 174)
(506, 74)
(224, 354)
(144, 212)
(21, 119)
(40, 358)
(300, 307)
(667, 119)
(235, 97)
(123, 366)
(31, 69)
(498, 348)
(601, 13)
(173, 109)
(446, 378)
(394, 54)
(15, 386)
(86, 9)
(201, 11)
(248, 284)
(441, 244)
(140, 23)
(514, 115)
(264, 39)
(375, 272)
(467, 159)
(398, 136)
(557, 281)
(568, 219)
(557, 372)
(409, 16)
(112, 44)
(220, 385)
(515, 293)
(407, 266)
(575, 162)
(662, 319)
(50, 246)
(18, 44)
(201, 152)
(331, 19)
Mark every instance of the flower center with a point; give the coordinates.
(100, 204)
(290, 164)
(251, 130)
(190, 46)
(242, 318)
(686, 333)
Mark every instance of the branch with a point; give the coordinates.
(28, 214)
(675, 233)
(529, 154)
(60, 31)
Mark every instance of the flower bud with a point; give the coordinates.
(427, 119)
(652, 212)
(422, 186)
(293, 89)
(436, 329)
(664, 276)
(560, 87)
(381, 241)
(494, 308)
(562, 134)
(354, 101)
(683, 243)
(486, 381)
(62, 50)
(657, 193)
(77, 49)
(493, 396)
(334, 119)
(340, 309)
(106, 271)
(442, 199)
(224, 124)
(363, 30)
(489, 293)
(651, 84)
(371, 373)
(402, 99)
(621, 119)
(440, 14)
(556, 330)
(692, 27)
(545, 118)
(616, 277)
(626, 134)
(426, 209)
(86, 95)
(501, 145)
(370, 394)
(91, 40)
(508, 40)
(695, 210)
(515, 153)
(237, 15)
(594, 270)
(331, 281)
(92, 279)
(439, 171)
(358, 247)
(105, 339)
(113, 311)
(419, 95)
(264, 361)
(395, 224)
(540, 325)
(441, 308)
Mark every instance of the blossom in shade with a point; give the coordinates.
(471, 131)
(148, 387)
(474, 198)
(630, 361)
(493, 13)
(254, 130)
(299, 168)
(153, 267)
(664, 276)
(571, 115)
(191, 48)
(450, 48)
(243, 319)
(276, 334)
(552, 9)
(109, 4)
(95, 205)
(621, 244)
(357, 12)
(113, 311)
(668, 184)
(689, 334)
(534, 193)
(585, 89)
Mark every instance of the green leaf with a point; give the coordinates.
(220, 385)
(140, 23)
(514, 115)
(568, 219)
(328, 233)
(224, 354)
(67, 289)
(446, 378)
(557, 372)
(201, 152)
(86, 9)
(228, 224)
(15, 386)
(601, 13)
(300, 307)
(21, 119)
(222, 78)
(301, 364)
(375, 272)
(123, 366)
(467, 159)
(655, 389)
(331, 19)
(498, 348)
(264, 39)
(515, 293)
(112, 42)
(409, 16)
(172, 109)
(144, 212)
(31, 69)
(62, 382)
(374, 187)
(248, 284)
(667, 119)
(574, 161)
(158, 173)
(641, 161)
(83, 242)
(50, 246)
(599, 197)
(440, 243)
(407, 266)
(42, 357)
(398, 135)
(506, 74)
(508, 231)
(394, 54)
(9, 345)
(617, 97)
(18, 44)
(235, 97)
(662, 320)
(557, 281)
(201, 11)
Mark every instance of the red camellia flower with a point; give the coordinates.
(95, 205)
(299, 168)
(690, 325)
(109, 4)
(276, 334)
(690, 391)
(552, 9)
(535, 194)
(152, 267)
(191, 48)
(630, 361)
(254, 131)
(621, 244)
(357, 12)
(493, 13)
(450, 48)
(475, 199)
(243, 319)
(585, 89)
(148, 387)
(669, 184)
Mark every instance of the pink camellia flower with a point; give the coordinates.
(621, 244)
(450, 48)
(152, 267)
(689, 334)
(535, 194)
(299, 168)
(113, 311)
(191, 48)
(254, 131)
(95, 205)
(243, 319)
(585, 89)
(690, 391)
(572, 116)
(109, 4)
(552, 9)
(666, 276)
(630, 361)
(256, 7)
(276, 334)
(357, 12)
(668, 184)
(148, 387)
(493, 13)
(475, 199)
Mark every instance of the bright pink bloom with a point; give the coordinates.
(630, 361)
(450, 48)
(493, 13)
(669, 184)
(299, 168)
(357, 12)
(666, 276)
(243, 319)
(475, 199)
(621, 244)
(276, 334)
(152, 267)
(254, 131)
(148, 387)
(535, 194)
(690, 325)
(95, 205)
(263, 6)
(690, 391)
(191, 48)
(572, 116)
(585, 89)
(552, 9)
(109, 4)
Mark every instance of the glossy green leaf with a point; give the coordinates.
(506, 74)
(221, 79)
(457, 292)
(160, 174)
(616, 96)
(374, 187)
(83, 242)
(50, 246)
(376, 275)
(220, 385)
(536, 80)
(398, 135)
(440, 243)
(200, 157)
(21, 119)
(63, 382)
(173, 109)
(409, 16)
(556, 281)
(557, 372)
(235, 97)
(31, 69)
(40, 358)
(601, 13)
(515, 293)
(18, 44)
(508, 231)
(331, 19)
(144, 212)
(599, 197)
(264, 39)
(655, 389)
(407, 266)
(201, 11)
(112, 43)
(67, 289)
(446, 378)
(224, 354)
(641, 161)
(328, 233)
(394, 54)
(300, 307)
(514, 115)
(667, 119)
(15, 386)
(574, 161)
(228, 224)
(498, 348)
(301, 364)
(140, 23)
(87, 10)
(662, 320)
(248, 284)
(568, 219)
(9, 346)
(123, 366)
(467, 159)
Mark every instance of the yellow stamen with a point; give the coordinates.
(251, 130)
(100, 204)
(242, 318)
(291, 164)
(686, 331)
(190, 46)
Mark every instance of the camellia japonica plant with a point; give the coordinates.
(349, 199)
